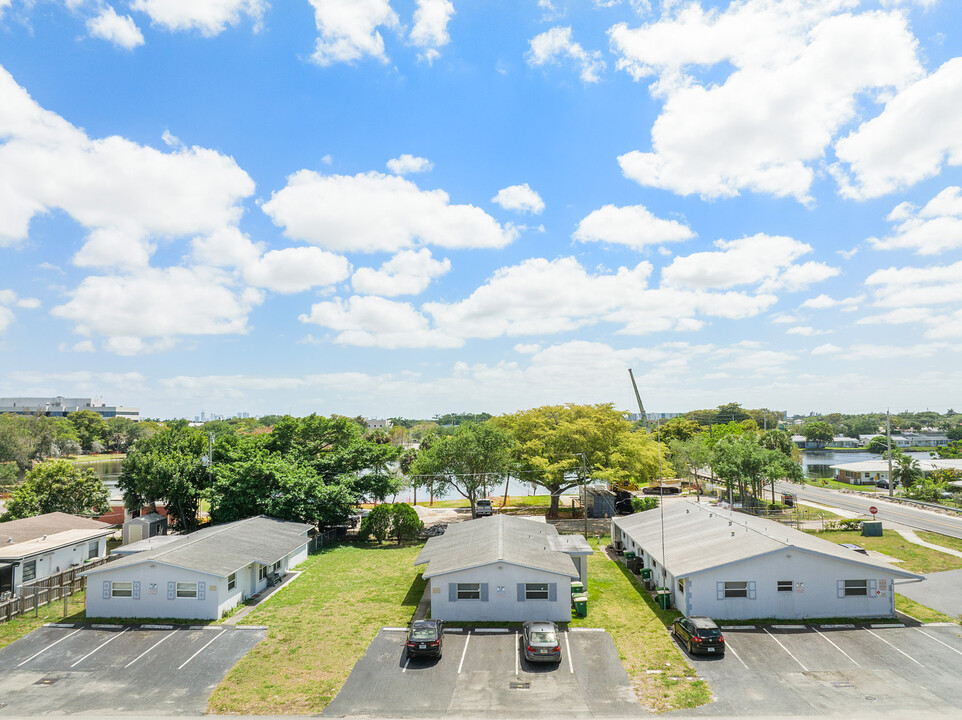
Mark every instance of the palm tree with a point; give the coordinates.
(906, 470)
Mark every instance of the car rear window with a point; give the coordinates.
(709, 632)
(544, 637)
(423, 634)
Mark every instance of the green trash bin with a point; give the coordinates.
(664, 598)
(872, 528)
(629, 554)
(581, 605)
(646, 573)
(577, 588)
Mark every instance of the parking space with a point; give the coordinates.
(834, 670)
(114, 669)
(483, 672)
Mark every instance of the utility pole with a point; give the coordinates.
(888, 436)
(584, 492)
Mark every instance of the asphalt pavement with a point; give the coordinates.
(941, 591)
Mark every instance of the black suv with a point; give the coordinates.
(699, 635)
(425, 639)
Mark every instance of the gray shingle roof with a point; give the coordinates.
(500, 538)
(223, 549)
(32, 528)
(700, 537)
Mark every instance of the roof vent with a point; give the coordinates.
(44, 537)
(9, 540)
(729, 523)
(733, 533)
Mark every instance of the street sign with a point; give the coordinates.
(873, 509)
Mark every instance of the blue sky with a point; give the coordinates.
(389, 207)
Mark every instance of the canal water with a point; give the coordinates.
(818, 463)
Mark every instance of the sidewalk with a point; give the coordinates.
(260, 597)
(916, 540)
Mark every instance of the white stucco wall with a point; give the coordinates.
(154, 600)
(815, 589)
(502, 603)
(59, 560)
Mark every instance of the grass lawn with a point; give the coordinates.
(828, 482)
(943, 540)
(52, 612)
(920, 612)
(916, 558)
(619, 604)
(319, 626)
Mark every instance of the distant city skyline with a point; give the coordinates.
(414, 207)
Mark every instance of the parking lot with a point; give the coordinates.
(483, 673)
(114, 669)
(834, 670)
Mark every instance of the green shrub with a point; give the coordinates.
(405, 523)
(640, 504)
(850, 525)
(377, 524)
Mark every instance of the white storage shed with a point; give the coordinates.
(504, 569)
(732, 566)
(198, 576)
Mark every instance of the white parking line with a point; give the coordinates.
(517, 655)
(407, 661)
(571, 667)
(202, 649)
(939, 641)
(98, 647)
(729, 648)
(785, 649)
(49, 646)
(837, 647)
(894, 648)
(467, 639)
(163, 639)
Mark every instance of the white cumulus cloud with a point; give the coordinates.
(634, 226)
(126, 195)
(120, 30)
(430, 30)
(553, 45)
(917, 134)
(520, 198)
(407, 273)
(209, 17)
(933, 229)
(797, 69)
(349, 30)
(374, 212)
(409, 164)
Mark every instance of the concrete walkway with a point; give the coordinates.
(916, 540)
(259, 598)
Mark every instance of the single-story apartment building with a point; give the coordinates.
(198, 576)
(503, 568)
(869, 472)
(37, 547)
(732, 566)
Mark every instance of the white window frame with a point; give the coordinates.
(534, 591)
(184, 590)
(469, 591)
(232, 581)
(121, 589)
(856, 588)
(93, 549)
(736, 589)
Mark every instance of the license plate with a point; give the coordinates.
(711, 649)
(422, 646)
(545, 652)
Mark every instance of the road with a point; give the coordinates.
(888, 512)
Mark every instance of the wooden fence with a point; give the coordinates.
(38, 593)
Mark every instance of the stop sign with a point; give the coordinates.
(873, 509)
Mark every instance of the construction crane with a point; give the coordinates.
(641, 407)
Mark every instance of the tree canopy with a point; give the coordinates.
(58, 486)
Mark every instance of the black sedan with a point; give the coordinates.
(425, 638)
(699, 635)
(540, 642)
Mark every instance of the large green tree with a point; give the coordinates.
(91, 429)
(470, 461)
(818, 431)
(559, 445)
(58, 486)
(168, 467)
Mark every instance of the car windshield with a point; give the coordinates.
(709, 632)
(544, 637)
(423, 633)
